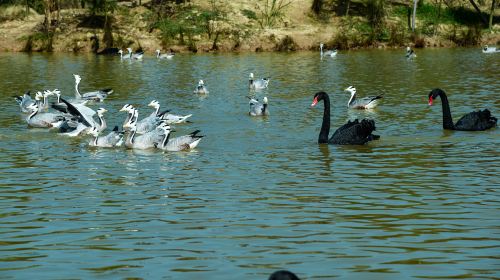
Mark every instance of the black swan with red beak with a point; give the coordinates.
(351, 133)
(473, 121)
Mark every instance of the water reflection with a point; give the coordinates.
(259, 194)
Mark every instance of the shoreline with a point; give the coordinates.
(299, 32)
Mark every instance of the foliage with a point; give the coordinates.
(396, 33)
(272, 11)
(470, 36)
(376, 13)
(249, 14)
(13, 12)
(286, 44)
(353, 32)
(102, 6)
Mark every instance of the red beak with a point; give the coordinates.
(315, 101)
(430, 101)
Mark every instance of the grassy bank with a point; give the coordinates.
(238, 25)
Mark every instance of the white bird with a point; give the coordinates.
(36, 119)
(201, 88)
(112, 139)
(165, 115)
(410, 54)
(369, 102)
(487, 49)
(124, 56)
(330, 53)
(181, 143)
(98, 95)
(82, 120)
(24, 101)
(143, 126)
(257, 84)
(145, 141)
(136, 56)
(165, 55)
(257, 108)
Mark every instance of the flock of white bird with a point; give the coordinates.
(72, 117)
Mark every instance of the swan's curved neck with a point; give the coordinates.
(157, 110)
(77, 91)
(44, 104)
(325, 126)
(95, 140)
(351, 100)
(127, 119)
(32, 114)
(59, 99)
(447, 119)
(131, 137)
(102, 122)
(165, 140)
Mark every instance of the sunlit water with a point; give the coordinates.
(257, 194)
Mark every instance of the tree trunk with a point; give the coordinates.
(347, 9)
(438, 17)
(58, 3)
(48, 15)
(316, 6)
(108, 34)
(48, 24)
(483, 19)
(492, 12)
(409, 18)
(27, 7)
(413, 23)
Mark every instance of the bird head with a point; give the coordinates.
(127, 108)
(101, 111)
(155, 104)
(351, 89)
(77, 78)
(434, 94)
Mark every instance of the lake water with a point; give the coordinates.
(258, 194)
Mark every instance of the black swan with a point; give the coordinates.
(351, 133)
(283, 275)
(473, 121)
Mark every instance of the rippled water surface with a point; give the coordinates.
(257, 195)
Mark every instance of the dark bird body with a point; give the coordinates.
(352, 133)
(473, 121)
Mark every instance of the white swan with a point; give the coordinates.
(410, 54)
(257, 108)
(145, 141)
(169, 118)
(136, 56)
(368, 102)
(487, 49)
(112, 139)
(98, 95)
(165, 55)
(181, 143)
(48, 120)
(124, 56)
(330, 53)
(201, 88)
(257, 84)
